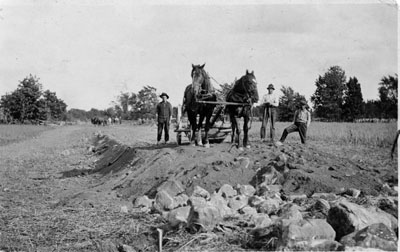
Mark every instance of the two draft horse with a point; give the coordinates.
(201, 89)
(244, 91)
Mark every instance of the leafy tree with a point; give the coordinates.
(146, 102)
(372, 109)
(77, 114)
(353, 100)
(388, 96)
(110, 112)
(124, 101)
(288, 103)
(328, 97)
(23, 103)
(54, 107)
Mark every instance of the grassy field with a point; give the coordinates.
(368, 134)
(15, 133)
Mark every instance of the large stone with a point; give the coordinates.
(269, 188)
(346, 217)
(197, 201)
(255, 201)
(269, 206)
(374, 236)
(305, 231)
(324, 245)
(313, 245)
(204, 217)
(389, 205)
(290, 213)
(178, 216)
(227, 191)
(322, 206)
(181, 200)
(247, 190)
(271, 176)
(201, 192)
(352, 192)
(163, 201)
(325, 196)
(143, 201)
(172, 187)
(221, 204)
(248, 212)
(261, 220)
(238, 202)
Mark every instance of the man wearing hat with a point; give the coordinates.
(302, 119)
(164, 113)
(269, 102)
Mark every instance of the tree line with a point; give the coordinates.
(29, 103)
(336, 98)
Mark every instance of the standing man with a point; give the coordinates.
(270, 101)
(164, 113)
(302, 119)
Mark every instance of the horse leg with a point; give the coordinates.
(233, 126)
(193, 128)
(238, 131)
(206, 129)
(199, 138)
(245, 132)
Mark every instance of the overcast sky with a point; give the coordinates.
(89, 51)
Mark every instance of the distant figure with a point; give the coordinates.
(394, 143)
(164, 113)
(109, 120)
(116, 120)
(269, 102)
(302, 120)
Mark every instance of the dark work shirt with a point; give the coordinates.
(164, 111)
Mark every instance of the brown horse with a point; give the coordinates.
(244, 91)
(201, 89)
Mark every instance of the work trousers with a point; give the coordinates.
(163, 125)
(269, 113)
(297, 126)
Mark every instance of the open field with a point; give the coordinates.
(15, 133)
(359, 134)
(50, 202)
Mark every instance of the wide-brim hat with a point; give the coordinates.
(164, 94)
(270, 86)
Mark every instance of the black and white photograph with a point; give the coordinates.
(253, 125)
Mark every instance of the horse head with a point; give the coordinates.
(249, 83)
(199, 78)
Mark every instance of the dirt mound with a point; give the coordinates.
(132, 172)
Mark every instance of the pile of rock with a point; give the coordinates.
(323, 222)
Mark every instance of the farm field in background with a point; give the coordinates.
(363, 134)
(12, 133)
(366, 134)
